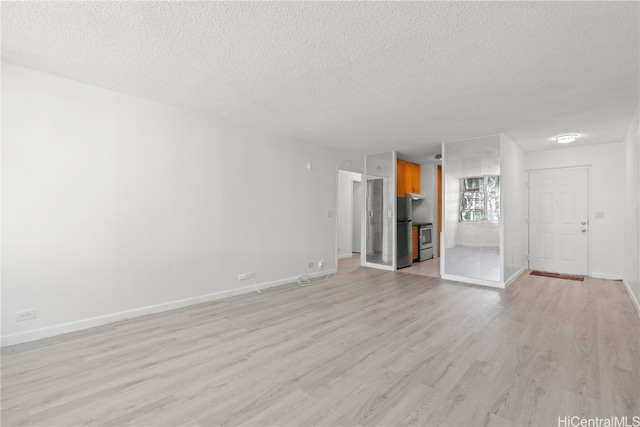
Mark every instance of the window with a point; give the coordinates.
(480, 199)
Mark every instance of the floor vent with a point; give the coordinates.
(558, 275)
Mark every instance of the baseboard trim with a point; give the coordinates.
(605, 276)
(472, 281)
(634, 300)
(515, 276)
(345, 256)
(377, 266)
(64, 328)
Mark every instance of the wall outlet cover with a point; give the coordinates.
(26, 315)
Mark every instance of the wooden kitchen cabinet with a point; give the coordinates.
(414, 239)
(408, 178)
(413, 178)
(401, 178)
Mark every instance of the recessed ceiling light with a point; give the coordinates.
(566, 138)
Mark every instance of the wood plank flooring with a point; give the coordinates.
(365, 347)
(429, 268)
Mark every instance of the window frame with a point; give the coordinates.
(485, 197)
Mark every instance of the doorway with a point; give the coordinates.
(558, 221)
(349, 216)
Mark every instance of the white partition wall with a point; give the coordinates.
(515, 209)
(484, 238)
(379, 188)
(472, 211)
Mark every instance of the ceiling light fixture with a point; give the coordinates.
(566, 138)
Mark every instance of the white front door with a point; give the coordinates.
(558, 221)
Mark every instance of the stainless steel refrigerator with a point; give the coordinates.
(403, 235)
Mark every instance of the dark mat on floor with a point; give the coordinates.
(558, 275)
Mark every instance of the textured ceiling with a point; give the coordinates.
(366, 76)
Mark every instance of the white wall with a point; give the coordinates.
(478, 234)
(115, 207)
(514, 198)
(631, 147)
(468, 158)
(358, 213)
(345, 212)
(606, 195)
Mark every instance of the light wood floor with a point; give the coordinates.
(429, 268)
(365, 347)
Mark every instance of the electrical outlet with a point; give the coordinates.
(243, 276)
(26, 315)
(310, 265)
(321, 264)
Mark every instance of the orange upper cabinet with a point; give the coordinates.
(413, 178)
(402, 178)
(408, 178)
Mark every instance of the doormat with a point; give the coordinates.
(558, 275)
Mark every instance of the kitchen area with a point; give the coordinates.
(417, 211)
(400, 213)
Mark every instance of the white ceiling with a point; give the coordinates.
(366, 76)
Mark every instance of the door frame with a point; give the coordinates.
(337, 213)
(355, 214)
(438, 208)
(529, 172)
